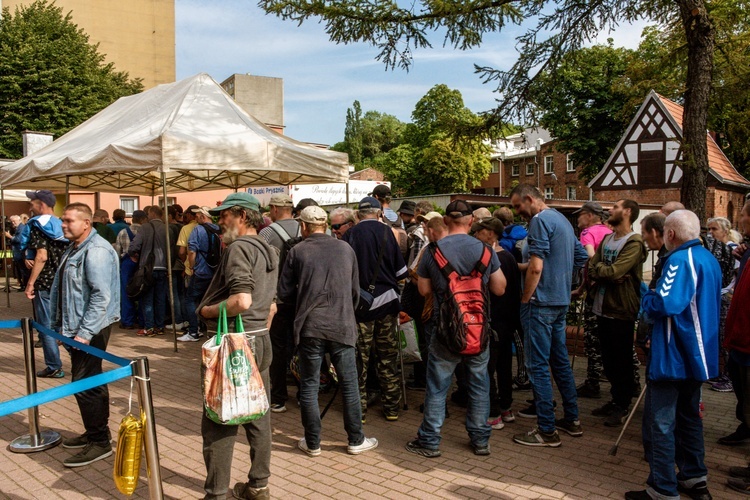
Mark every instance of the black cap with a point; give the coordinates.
(491, 223)
(457, 209)
(407, 207)
(591, 207)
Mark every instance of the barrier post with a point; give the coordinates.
(35, 440)
(141, 373)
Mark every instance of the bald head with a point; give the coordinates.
(680, 227)
(671, 206)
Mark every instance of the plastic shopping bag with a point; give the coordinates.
(407, 335)
(233, 391)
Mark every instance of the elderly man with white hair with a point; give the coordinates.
(684, 353)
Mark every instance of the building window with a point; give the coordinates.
(171, 200)
(571, 192)
(549, 165)
(529, 169)
(548, 193)
(514, 170)
(495, 167)
(570, 167)
(129, 204)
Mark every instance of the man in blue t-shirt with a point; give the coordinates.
(198, 247)
(554, 250)
(463, 252)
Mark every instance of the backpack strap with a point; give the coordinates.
(445, 267)
(277, 228)
(484, 261)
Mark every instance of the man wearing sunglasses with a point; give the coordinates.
(342, 219)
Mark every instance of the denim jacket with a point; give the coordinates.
(90, 298)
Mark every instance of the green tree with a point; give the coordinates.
(561, 26)
(369, 135)
(51, 78)
(581, 105)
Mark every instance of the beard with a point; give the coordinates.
(229, 234)
(615, 220)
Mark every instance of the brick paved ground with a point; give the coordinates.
(580, 468)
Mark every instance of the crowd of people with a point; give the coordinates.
(289, 271)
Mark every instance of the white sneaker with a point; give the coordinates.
(367, 445)
(302, 445)
(179, 326)
(496, 423)
(189, 338)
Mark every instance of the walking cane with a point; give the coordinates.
(403, 375)
(578, 330)
(613, 450)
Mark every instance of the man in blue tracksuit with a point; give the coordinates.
(684, 353)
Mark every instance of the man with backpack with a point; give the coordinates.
(204, 255)
(477, 266)
(616, 271)
(553, 252)
(282, 234)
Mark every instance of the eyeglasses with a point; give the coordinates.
(336, 227)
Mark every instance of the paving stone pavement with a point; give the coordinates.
(580, 468)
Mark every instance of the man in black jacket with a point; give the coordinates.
(320, 275)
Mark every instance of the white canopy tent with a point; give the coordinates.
(190, 131)
(184, 136)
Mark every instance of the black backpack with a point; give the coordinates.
(464, 320)
(215, 246)
(288, 242)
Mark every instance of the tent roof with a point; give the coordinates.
(190, 130)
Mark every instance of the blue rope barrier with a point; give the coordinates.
(46, 396)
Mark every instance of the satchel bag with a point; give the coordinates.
(233, 391)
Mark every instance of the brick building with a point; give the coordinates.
(645, 165)
(532, 157)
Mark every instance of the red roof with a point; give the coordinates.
(719, 164)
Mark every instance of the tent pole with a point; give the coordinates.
(347, 193)
(169, 257)
(5, 266)
(67, 190)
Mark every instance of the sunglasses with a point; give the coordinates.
(336, 227)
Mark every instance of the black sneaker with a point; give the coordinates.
(521, 384)
(617, 417)
(245, 491)
(604, 410)
(637, 495)
(571, 427)
(49, 373)
(75, 442)
(416, 386)
(588, 390)
(740, 472)
(736, 438)
(91, 453)
(699, 491)
(481, 449)
(739, 484)
(535, 437)
(416, 448)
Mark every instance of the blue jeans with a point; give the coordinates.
(128, 309)
(193, 295)
(441, 363)
(544, 343)
(311, 356)
(674, 429)
(49, 345)
(154, 301)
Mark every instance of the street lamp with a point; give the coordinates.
(500, 173)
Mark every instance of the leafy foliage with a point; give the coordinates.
(366, 137)
(51, 78)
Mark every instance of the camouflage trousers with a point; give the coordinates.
(381, 336)
(593, 350)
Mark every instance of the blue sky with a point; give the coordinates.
(322, 79)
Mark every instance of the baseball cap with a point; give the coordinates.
(313, 215)
(428, 216)
(202, 210)
(381, 190)
(191, 208)
(457, 209)
(304, 203)
(592, 207)
(43, 195)
(281, 200)
(490, 223)
(368, 202)
(407, 207)
(244, 200)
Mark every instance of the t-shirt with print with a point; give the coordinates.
(463, 252)
(611, 249)
(593, 235)
(38, 240)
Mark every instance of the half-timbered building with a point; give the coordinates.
(645, 165)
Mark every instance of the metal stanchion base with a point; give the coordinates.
(30, 444)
